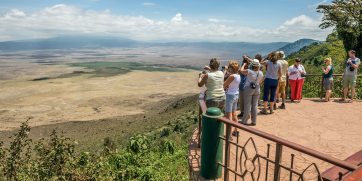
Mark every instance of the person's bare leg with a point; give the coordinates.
(328, 95)
(266, 105)
(284, 96)
(271, 107)
(345, 92)
(353, 92)
(235, 117)
(229, 115)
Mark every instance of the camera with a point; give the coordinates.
(351, 68)
(253, 85)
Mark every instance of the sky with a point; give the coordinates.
(164, 20)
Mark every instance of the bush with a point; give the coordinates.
(56, 159)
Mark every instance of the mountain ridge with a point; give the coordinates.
(233, 49)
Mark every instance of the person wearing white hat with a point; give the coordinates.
(251, 90)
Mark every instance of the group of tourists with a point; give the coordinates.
(237, 85)
(349, 77)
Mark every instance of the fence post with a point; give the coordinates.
(200, 128)
(278, 159)
(227, 152)
(212, 146)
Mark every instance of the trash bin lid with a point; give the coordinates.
(213, 112)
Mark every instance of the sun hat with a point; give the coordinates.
(282, 53)
(255, 63)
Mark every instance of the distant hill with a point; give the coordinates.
(67, 42)
(228, 49)
(223, 49)
(313, 55)
(297, 45)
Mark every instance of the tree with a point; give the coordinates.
(346, 17)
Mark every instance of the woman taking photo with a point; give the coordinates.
(251, 90)
(232, 94)
(272, 75)
(213, 81)
(296, 75)
(328, 78)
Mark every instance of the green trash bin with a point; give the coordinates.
(211, 144)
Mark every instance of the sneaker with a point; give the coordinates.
(282, 106)
(275, 107)
(271, 111)
(264, 112)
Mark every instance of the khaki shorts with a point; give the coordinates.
(349, 81)
(282, 86)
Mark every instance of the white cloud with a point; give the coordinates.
(177, 18)
(63, 19)
(15, 13)
(302, 20)
(148, 4)
(215, 20)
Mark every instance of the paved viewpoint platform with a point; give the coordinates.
(333, 128)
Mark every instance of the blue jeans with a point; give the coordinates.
(270, 87)
(231, 102)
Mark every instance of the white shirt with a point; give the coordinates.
(298, 72)
(272, 70)
(234, 85)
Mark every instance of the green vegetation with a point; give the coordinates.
(313, 59)
(313, 55)
(346, 17)
(157, 155)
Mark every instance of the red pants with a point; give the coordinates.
(296, 87)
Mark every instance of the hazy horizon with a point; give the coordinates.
(160, 21)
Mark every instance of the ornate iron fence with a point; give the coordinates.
(313, 86)
(257, 155)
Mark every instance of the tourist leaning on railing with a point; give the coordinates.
(350, 75)
(328, 78)
(272, 76)
(296, 75)
(213, 79)
(251, 90)
(232, 94)
(283, 80)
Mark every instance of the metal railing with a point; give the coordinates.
(268, 166)
(313, 86)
